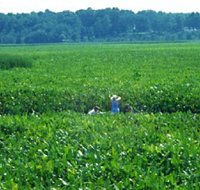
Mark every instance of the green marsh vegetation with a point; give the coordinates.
(48, 142)
(152, 78)
(9, 61)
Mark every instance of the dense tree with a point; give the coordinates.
(193, 21)
(94, 25)
(102, 26)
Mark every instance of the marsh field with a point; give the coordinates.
(47, 140)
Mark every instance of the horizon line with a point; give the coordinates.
(90, 8)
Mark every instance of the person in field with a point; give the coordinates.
(115, 103)
(128, 108)
(95, 110)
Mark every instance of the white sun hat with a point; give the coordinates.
(115, 97)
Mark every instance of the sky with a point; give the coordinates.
(27, 6)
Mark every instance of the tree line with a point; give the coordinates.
(98, 25)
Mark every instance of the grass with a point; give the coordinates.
(9, 61)
(47, 141)
(151, 77)
(71, 150)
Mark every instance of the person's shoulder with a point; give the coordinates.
(91, 112)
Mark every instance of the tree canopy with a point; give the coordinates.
(98, 25)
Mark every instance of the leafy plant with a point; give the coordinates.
(47, 140)
(9, 61)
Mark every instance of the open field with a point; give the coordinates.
(152, 78)
(48, 142)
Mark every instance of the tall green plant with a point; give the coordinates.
(9, 61)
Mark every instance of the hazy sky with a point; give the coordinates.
(26, 6)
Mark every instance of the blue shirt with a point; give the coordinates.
(115, 106)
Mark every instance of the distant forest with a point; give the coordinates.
(98, 25)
